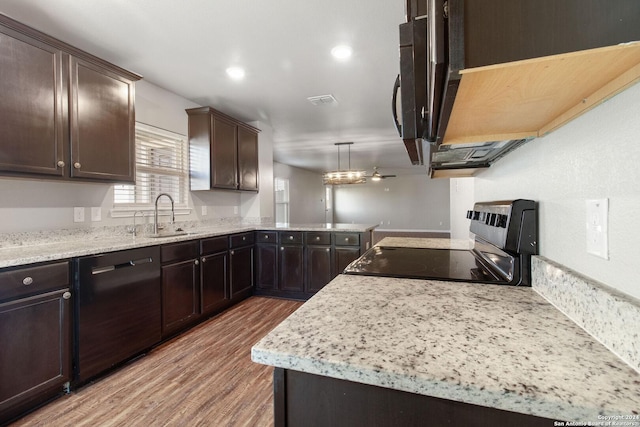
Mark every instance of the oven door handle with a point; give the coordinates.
(394, 105)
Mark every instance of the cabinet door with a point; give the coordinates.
(32, 106)
(267, 270)
(224, 155)
(102, 123)
(214, 290)
(247, 159)
(180, 291)
(241, 281)
(291, 268)
(343, 257)
(35, 355)
(319, 267)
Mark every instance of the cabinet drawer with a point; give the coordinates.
(179, 251)
(318, 238)
(242, 239)
(18, 282)
(291, 237)
(214, 245)
(347, 239)
(267, 237)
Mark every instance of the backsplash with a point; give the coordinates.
(30, 238)
(610, 316)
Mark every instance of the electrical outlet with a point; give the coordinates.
(204, 210)
(96, 214)
(598, 227)
(78, 214)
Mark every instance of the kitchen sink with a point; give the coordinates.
(177, 232)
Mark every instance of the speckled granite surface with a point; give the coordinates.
(609, 315)
(421, 242)
(26, 248)
(504, 347)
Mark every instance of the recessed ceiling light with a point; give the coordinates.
(236, 73)
(341, 52)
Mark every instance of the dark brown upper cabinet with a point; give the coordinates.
(66, 114)
(223, 150)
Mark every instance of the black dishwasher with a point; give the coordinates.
(117, 308)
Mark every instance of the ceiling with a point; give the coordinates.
(284, 46)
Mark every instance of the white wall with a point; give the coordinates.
(461, 194)
(595, 156)
(411, 202)
(306, 194)
(261, 205)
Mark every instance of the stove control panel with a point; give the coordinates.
(511, 225)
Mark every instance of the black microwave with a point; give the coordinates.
(421, 81)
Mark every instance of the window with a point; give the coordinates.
(161, 167)
(281, 190)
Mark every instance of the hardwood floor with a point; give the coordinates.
(204, 377)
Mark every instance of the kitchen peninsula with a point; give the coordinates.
(472, 354)
(74, 304)
(25, 248)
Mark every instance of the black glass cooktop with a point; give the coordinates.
(422, 263)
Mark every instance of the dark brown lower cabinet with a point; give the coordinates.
(180, 286)
(319, 267)
(214, 282)
(302, 263)
(291, 268)
(343, 256)
(179, 295)
(307, 400)
(241, 265)
(35, 333)
(214, 274)
(267, 267)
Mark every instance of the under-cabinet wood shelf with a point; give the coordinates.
(530, 98)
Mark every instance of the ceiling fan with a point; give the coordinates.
(377, 176)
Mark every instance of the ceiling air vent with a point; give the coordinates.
(322, 100)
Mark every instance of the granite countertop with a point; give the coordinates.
(421, 242)
(39, 247)
(489, 345)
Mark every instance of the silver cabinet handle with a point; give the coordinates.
(244, 238)
(196, 262)
(203, 259)
(282, 248)
(27, 281)
(77, 165)
(66, 295)
(233, 252)
(60, 164)
(317, 237)
(266, 237)
(290, 237)
(327, 250)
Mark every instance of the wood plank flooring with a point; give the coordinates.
(204, 377)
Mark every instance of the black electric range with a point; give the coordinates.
(505, 238)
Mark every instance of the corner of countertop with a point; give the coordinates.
(608, 315)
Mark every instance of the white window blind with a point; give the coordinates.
(162, 166)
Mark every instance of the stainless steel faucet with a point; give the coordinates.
(155, 213)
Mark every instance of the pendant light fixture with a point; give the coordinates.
(340, 176)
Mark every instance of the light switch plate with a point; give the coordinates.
(96, 214)
(598, 227)
(78, 214)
